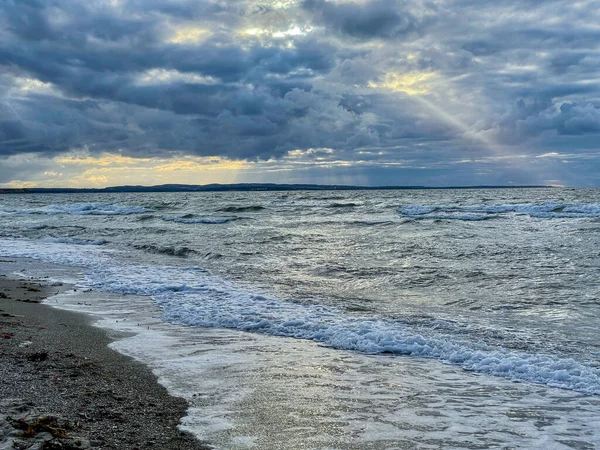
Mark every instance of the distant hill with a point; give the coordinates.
(238, 187)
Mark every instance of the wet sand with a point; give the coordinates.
(55, 366)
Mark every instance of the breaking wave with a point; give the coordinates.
(145, 217)
(343, 205)
(242, 208)
(82, 209)
(548, 210)
(209, 220)
(182, 252)
(75, 241)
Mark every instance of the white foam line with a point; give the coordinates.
(82, 209)
(547, 210)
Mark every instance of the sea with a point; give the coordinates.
(359, 319)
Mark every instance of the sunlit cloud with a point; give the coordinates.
(162, 164)
(189, 35)
(283, 4)
(100, 180)
(412, 83)
(297, 153)
(550, 155)
(19, 184)
(23, 86)
(165, 76)
(31, 84)
(276, 34)
(84, 170)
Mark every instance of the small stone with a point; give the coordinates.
(44, 435)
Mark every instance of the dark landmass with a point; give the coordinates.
(244, 187)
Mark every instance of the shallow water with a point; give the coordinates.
(251, 391)
(502, 283)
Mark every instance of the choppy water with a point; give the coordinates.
(500, 283)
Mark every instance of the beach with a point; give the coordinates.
(55, 363)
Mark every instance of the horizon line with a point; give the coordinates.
(215, 187)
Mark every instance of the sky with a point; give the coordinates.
(100, 93)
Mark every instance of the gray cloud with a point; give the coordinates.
(313, 75)
(387, 19)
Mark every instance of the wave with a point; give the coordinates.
(82, 209)
(163, 205)
(210, 220)
(369, 223)
(343, 205)
(309, 202)
(249, 208)
(464, 217)
(145, 217)
(75, 241)
(37, 226)
(190, 296)
(417, 210)
(547, 210)
(182, 252)
(315, 198)
(41, 227)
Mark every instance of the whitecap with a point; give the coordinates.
(82, 209)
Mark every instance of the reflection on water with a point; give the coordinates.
(252, 391)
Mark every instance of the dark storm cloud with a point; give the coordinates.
(113, 76)
(225, 116)
(376, 19)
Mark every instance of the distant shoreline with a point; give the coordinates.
(247, 187)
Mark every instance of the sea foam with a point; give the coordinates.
(191, 296)
(546, 210)
(67, 240)
(81, 209)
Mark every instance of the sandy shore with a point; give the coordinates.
(63, 388)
